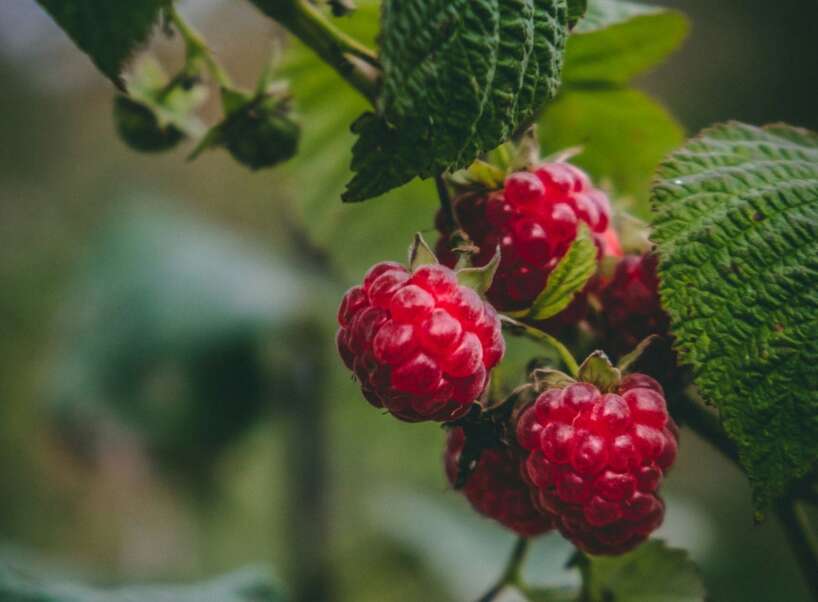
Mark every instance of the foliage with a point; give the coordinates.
(458, 79)
(623, 132)
(108, 32)
(736, 223)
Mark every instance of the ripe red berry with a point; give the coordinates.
(596, 461)
(631, 304)
(533, 220)
(495, 488)
(420, 344)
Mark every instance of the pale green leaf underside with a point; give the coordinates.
(108, 32)
(736, 223)
(651, 573)
(618, 40)
(569, 277)
(242, 586)
(459, 78)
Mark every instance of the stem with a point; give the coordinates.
(197, 48)
(445, 199)
(802, 540)
(518, 328)
(356, 63)
(512, 573)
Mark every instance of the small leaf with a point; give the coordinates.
(628, 360)
(109, 32)
(618, 40)
(598, 370)
(570, 276)
(548, 378)
(650, 573)
(576, 10)
(459, 78)
(736, 226)
(420, 253)
(486, 175)
(480, 279)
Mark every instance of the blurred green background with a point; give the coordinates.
(170, 401)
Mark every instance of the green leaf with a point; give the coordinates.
(327, 106)
(598, 370)
(651, 573)
(459, 78)
(576, 10)
(736, 224)
(109, 32)
(420, 253)
(618, 40)
(248, 585)
(570, 276)
(480, 279)
(623, 132)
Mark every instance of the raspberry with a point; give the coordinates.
(631, 303)
(420, 344)
(495, 488)
(596, 460)
(534, 220)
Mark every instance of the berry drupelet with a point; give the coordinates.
(534, 219)
(420, 343)
(595, 461)
(496, 489)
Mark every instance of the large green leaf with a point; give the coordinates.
(358, 235)
(651, 573)
(618, 40)
(459, 77)
(108, 32)
(736, 223)
(624, 134)
(247, 585)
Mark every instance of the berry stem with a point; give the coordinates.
(512, 573)
(197, 48)
(802, 539)
(353, 61)
(521, 329)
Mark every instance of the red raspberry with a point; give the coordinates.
(631, 303)
(420, 344)
(534, 220)
(495, 488)
(596, 461)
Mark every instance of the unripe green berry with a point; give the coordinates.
(261, 134)
(139, 127)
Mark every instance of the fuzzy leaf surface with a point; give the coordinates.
(109, 32)
(459, 77)
(652, 572)
(736, 224)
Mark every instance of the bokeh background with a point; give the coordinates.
(170, 401)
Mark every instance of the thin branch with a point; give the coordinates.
(197, 48)
(445, 199)
(521, 329)
(803, 541)
(512, 573)
(356, 63)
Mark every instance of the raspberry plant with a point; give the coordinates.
(706, 297)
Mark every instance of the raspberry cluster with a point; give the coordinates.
(420, 344)
(631, 302)
(595, 461)
(533, 219)
(496, 489)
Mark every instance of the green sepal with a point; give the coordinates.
(480, 279)
(420, 253)
(598, 370)
(549, 378)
